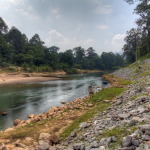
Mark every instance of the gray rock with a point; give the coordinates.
(109, 140)
(114, 139)
(103, 142)
(145, 127)
(127, 141)
(124, 116)
(127, 148)
(119, 102)
(78, 146)
(147, 132)
(43, 145)
(133, 122)
(141, 109)
(145, 137)
(135, 143)
(102, 148)
(84, 125)
(73, 134)
(94, 144)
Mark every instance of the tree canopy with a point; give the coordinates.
(138, 39)
(16, 49)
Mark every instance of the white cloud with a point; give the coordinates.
(16, 2)
(102, 27)
(27, 13)
(118, 38)
(117, 42)
(104, 10)
(7, 4)
(56, 38)
(55, 12)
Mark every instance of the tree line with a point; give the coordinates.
(138, 39)
(17, 49)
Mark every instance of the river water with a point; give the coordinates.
(35, 98)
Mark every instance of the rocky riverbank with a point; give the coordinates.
(122, 124)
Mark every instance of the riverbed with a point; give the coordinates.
(20, 100)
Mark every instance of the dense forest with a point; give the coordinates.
(138, 39)
(33, 55)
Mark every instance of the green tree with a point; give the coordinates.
(3, 27)
(6, 51)
(79, 53)
(17, 39)
(131, 47)
(67, 58)
(52, 57)
(143, 24)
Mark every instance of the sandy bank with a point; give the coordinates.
(18, 78)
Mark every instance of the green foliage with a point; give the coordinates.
(33, 55)
(71, 71)
(106, 94)
(125, 82)
(138, 40)
(44, 68)
(119, 132)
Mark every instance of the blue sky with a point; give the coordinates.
(101, 24)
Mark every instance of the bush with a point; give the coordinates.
(71, 71)
(44, 69)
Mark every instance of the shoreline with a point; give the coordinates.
(19, 78)
(22, 77)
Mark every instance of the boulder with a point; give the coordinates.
(124, 116)
(17, 122)
(145, 137)
(63, 102)
(28, 139)
(9, 129)
(145, 127)
(43, 145)
(3, 147)
(54, 139)
(90, 105)
(147, 132)
(95, 144)
(135, 143)
(4, 113)
(78, 146)
(44, 136)
(127, 141)
(31, 116)
(102, 148)
(84, 125)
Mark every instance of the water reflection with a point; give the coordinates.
(21, 100)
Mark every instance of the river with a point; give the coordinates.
(23, 99)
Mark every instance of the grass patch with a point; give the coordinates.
(106, 94)
(99, 106)
(119, 133)
(30, 130)
(125, 82)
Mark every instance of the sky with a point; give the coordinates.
(101, 24)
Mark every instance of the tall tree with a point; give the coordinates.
(36, 40)
(131, 47)
(3, 27)
(67, 57)
(143, 24)
(17, 39)
(79, 53)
